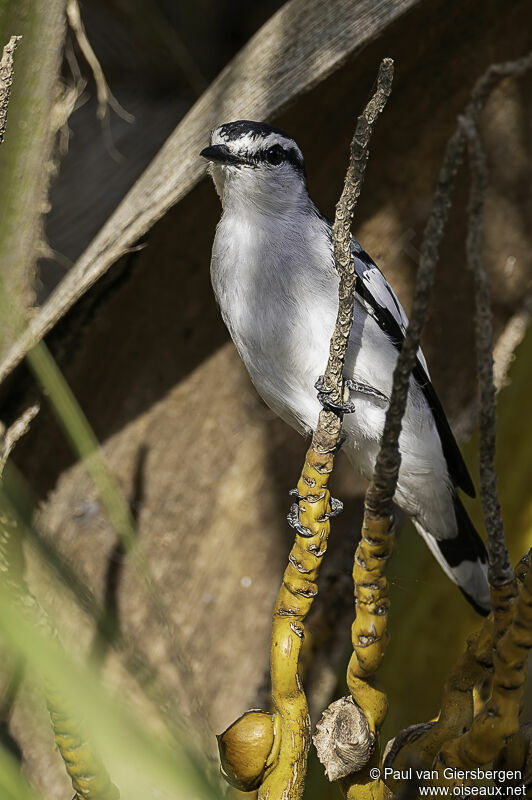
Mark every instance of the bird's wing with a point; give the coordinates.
(381, 303)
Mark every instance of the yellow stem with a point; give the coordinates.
(370, 636)
(285, 774)
(499, 719)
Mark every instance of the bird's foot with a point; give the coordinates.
(293, 515)
(295, 493)
(293, 520)
(364, 388)
(347, 407)
(324, 396)
(336, 508)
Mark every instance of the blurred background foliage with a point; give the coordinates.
(203, 466)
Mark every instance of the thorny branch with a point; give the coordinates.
(345, 210)
(380, 494)
(500, 570)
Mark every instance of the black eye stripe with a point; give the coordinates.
(276, 155)
(273, 156)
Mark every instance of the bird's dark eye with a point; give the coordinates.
(274, 155)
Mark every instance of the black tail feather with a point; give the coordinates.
(467, 546)
(463, 558)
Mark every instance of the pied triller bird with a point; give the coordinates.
(274, 277)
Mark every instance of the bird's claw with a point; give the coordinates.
(364, 388)
(347, 407)
(331, 405)
(336, 508)
(295, 493)
(293, 521)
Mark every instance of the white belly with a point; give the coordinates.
(280, 308)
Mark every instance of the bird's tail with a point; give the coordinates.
(463, 558)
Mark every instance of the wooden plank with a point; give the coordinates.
(303, 43)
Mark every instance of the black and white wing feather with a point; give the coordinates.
(380, 301)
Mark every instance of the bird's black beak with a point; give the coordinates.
(220, 154)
